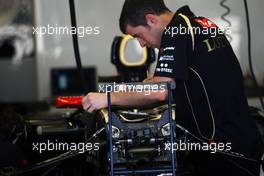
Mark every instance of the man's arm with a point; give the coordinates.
(96, 101)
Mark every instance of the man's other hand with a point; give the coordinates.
(94, 101)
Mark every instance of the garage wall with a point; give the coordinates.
(56, 50)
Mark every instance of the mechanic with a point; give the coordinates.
(209, 95)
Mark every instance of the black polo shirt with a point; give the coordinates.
(214, 64)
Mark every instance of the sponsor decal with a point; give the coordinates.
(206, 23)
(169, 48)
(166, 70)
(166, 58)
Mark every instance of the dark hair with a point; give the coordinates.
(134, 12)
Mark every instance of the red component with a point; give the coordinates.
(206, 23)
(69, 102)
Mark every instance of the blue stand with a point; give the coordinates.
(168, 169)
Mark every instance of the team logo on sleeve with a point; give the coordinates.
(206, 23)
(166, 58)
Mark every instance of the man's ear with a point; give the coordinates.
(151, 19)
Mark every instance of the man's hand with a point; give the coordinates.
(157, 79)
(94, 101)
(150, 79)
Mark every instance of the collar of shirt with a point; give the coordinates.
(185, 10)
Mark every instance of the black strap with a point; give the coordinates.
(76, 46)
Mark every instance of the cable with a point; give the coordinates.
(223, 17)
(250, 55)
(132, 121)
(209, 106)
(49, 170)
(242, 168)
(230, 154)
(59, 158)
(76, 46)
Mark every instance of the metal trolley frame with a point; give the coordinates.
(168, 169)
